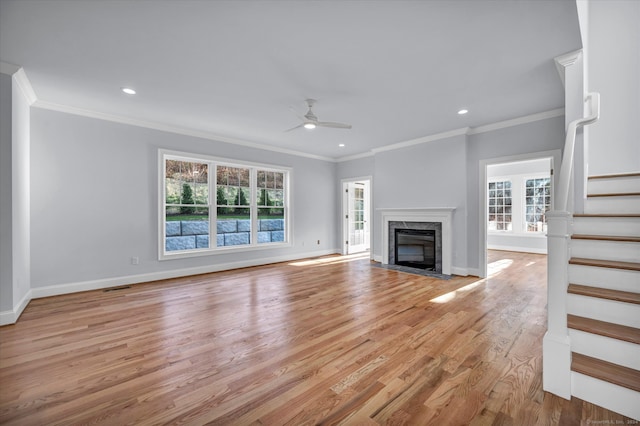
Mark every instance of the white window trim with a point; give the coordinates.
(494, 179)
(164, 154)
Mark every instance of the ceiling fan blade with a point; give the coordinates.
(293, 128)
(334, 125)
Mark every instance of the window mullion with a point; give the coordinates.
(253, 210)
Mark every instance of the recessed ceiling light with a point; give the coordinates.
(128, 91)
(463, 111)
(341, 145)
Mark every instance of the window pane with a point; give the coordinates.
(221, 175)
(201, 195)
(262, 179)
(271, 225)
(271, 180)
(186, 228)
(230, 193)
(243, 176)
(279, 180)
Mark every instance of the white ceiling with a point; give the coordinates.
(395, 70)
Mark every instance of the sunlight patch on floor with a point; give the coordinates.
(498, 266)
(447, 297)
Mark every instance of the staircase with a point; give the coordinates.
(603, 295)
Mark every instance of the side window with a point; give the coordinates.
(499, 202)
(537, 203)
(186, 205)
(270, 196)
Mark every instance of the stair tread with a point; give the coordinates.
(602, 328)
(606, 238)
(616, 175)
(605, 293)
(615, 194)
(607, 371)
(632, 266)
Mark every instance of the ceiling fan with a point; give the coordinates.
(310, 120)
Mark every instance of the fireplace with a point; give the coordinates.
(433, 219)
(416, 245)
(415, 248)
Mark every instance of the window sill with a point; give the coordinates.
(185, 254)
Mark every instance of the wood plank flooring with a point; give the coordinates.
(324, 341)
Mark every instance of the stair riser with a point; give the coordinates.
(614, 185)
(613, 279)
(619, 226)
(605, 394)
(612, 205)
(612, 350)
(606, 250)
(604, 310)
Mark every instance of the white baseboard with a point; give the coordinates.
(612, 397)
(10, 317)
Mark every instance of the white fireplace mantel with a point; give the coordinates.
(439, 214)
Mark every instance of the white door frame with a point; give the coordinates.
(556, 160)
(345, 209)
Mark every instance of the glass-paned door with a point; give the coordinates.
(357, 218)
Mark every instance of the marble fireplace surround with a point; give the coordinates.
(442, 215)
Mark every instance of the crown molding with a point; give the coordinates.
(170, 129)
(8, 69)
(355, 157)
(558, 112)
(21, 80)
(566, 60)
(25, 86)
(424, 139)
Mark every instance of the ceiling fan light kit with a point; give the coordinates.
(310, 120)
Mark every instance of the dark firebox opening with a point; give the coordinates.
(415, 248)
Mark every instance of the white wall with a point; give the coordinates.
(6, 235)
(431, 174)
(535, 137)
(21, 201)
(613, 70)
(15, 272)
(95, 196)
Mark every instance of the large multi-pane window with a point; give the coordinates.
(499, 197)
(537, 202)
(210, 204)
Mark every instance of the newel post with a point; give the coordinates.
(556, 348)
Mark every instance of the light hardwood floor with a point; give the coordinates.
(333, 340)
